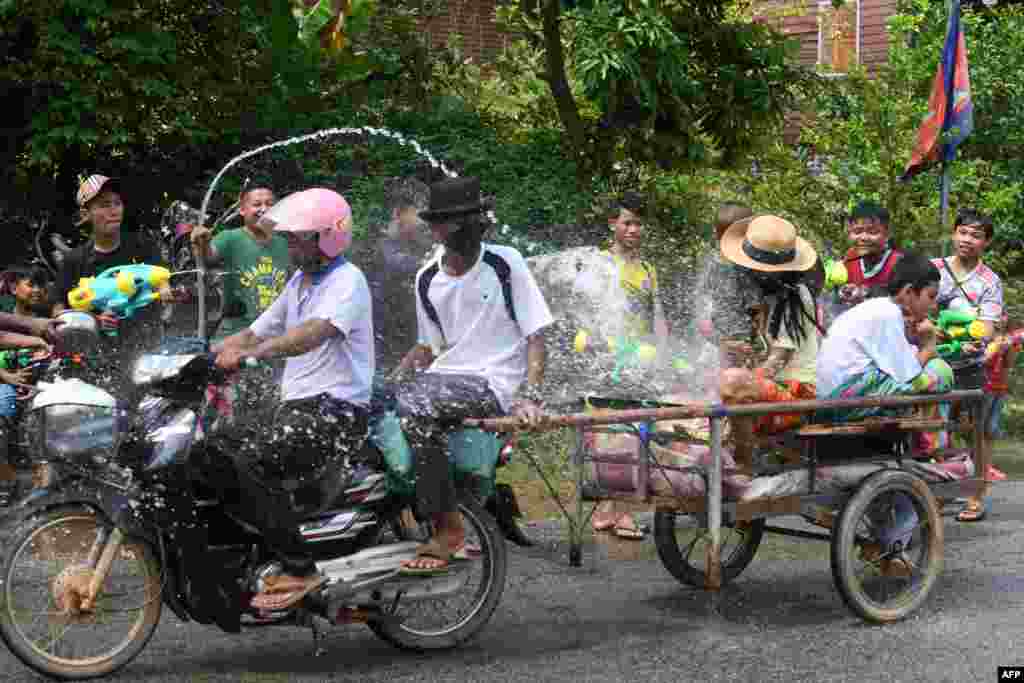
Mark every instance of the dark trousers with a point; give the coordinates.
(974, 377)
(261, 473)
(431, 406)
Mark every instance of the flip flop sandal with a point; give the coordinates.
(283, 598)
(630, 532)
(602, 524)
(430, 550)
(974, 513)
(468, 552)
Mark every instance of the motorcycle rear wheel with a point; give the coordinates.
(44, 558)
(411, 633)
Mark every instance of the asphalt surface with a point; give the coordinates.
(628, 620)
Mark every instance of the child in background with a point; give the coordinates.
(968, 285)
(869, 261)
(731, 297)
(23, 291)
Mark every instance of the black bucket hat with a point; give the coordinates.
(455, 197)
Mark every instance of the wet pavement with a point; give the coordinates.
(627, 619)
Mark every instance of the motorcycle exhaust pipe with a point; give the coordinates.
(371, 578)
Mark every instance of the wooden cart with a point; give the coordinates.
(885, 531)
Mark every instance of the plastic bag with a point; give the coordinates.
(472, 454)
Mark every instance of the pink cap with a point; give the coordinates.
(315, 210)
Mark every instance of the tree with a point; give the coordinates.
(674, 82)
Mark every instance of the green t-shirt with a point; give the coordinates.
(256, 274)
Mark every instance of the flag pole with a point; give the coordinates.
(944, 181)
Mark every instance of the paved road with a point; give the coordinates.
(628, 620)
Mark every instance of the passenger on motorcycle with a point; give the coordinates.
(479, 317)
(321, 323)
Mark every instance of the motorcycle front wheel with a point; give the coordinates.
(46, 568)
(446, 622)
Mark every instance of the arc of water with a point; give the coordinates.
(318, 135)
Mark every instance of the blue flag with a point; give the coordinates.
(950, 117)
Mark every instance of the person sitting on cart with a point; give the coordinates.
(968, 285)
(777, 261)
(869, 261)
(869, 349)
(480, 316)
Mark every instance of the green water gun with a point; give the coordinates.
(835, 275)
(628, 352)
(16, 359)
(959, 327)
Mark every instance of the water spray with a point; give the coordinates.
(318, 135)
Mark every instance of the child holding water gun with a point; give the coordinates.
(970, 294)
(868, 263)
(634, 304)
(23, 291)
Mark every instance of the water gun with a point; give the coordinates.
(121, 290)
(959, 327)
(999, 357)
(628, 352)
(16, 359)
(835, 275)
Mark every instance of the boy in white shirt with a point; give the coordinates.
(868, 350)
(480, 315)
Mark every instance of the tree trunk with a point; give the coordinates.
(557, 80)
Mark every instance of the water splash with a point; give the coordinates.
(504, 229)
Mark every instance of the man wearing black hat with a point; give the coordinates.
(479, 316)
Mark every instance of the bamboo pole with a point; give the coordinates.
(709, 410)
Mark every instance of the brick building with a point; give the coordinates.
(835, 39)
(474, 21)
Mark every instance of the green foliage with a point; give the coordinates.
(669, 83)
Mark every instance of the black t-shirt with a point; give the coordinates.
(109, 363)
(85, 261)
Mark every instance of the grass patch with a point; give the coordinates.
(1008, 455)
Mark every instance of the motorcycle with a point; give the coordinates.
(87, 565)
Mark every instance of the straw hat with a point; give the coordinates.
(768, 244)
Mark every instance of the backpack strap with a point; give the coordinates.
(423, 288)
(504, 272)
(501, 269)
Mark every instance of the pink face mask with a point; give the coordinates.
(315, 210)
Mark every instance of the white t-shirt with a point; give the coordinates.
(802, 366)
(482, 338)
(343, 365)
(870, 334)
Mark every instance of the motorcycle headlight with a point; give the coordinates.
(67, 431)
(157, 367)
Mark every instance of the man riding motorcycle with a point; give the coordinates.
(321, 323)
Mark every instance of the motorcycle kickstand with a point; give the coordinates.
(307, 618)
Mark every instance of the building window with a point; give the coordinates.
(838, 35)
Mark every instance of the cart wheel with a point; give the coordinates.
(887, 546)
(681, 542)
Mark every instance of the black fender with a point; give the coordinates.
(109, 502)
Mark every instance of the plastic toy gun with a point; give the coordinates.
(122, 290)
(628, 352)
(835, 275)
(959, 327)
(16, 359)
(999, 357)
